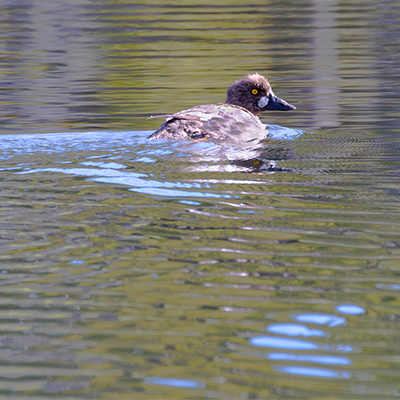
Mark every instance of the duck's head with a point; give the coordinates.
(254, 93)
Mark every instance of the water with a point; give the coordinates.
(166, 270)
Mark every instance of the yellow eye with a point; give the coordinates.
(254, 91)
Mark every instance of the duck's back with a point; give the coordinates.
(216, 121)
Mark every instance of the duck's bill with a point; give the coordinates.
(275, 103)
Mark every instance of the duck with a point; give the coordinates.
(236, 120)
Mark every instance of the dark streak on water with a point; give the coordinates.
(164, 270)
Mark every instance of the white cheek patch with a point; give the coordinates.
(263, 102)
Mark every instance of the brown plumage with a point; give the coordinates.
(236, 120)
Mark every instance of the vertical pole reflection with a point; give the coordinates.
(53, 63)
(326, 63)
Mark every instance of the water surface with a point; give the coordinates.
(169, 270)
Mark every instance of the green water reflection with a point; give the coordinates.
(110, 65)
(158, 270)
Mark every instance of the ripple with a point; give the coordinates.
(281, 343)
(135, 180)
(310, 358)
(183, 383)
(314, 372)
(350, 309)
(294, 330)
(321, 319)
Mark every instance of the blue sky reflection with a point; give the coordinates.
(136, 181)
(183, 383)
(321, 319)
(350, 309)
(294, 330)
(334, 360)
(282, 343)
(316, 372)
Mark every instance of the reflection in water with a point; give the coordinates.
(330, 320)
(314, 372)
(310, 358)
(120, 261)
(383, 286)
(109, 66)
(133, 180)
(294, 344)
(132, 269)
(350, 309)
(326, 66)
(294, 330)
(183, 383)
(282, 343)
(52, 64)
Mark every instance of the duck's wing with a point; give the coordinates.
(185, 124)
(222, 122)
(178, 128)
